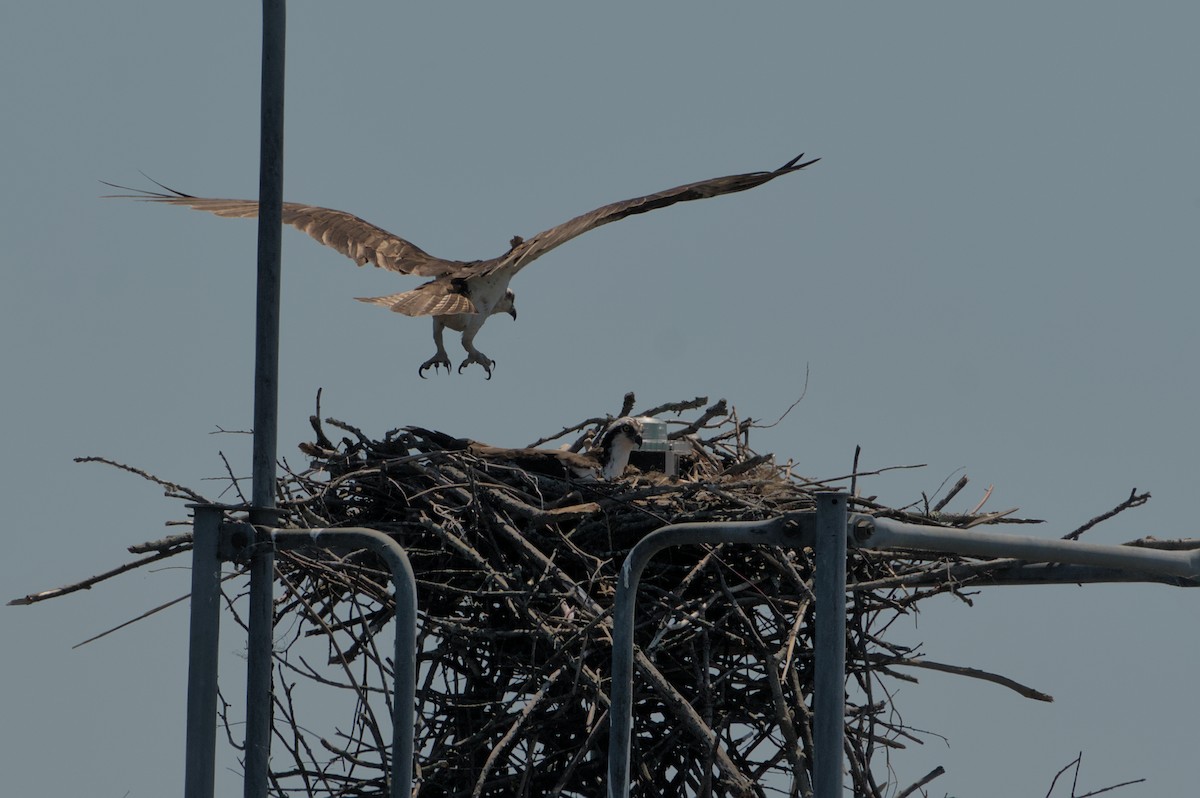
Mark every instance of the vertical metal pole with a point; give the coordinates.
(404, 694)
(270, 230)
(200, 756)
(829, 686)
(259, 648)
(259, 701)
(620, 712)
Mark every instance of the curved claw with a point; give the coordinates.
(483, 361)
(434, 363)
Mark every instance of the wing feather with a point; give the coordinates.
(430, 299)
(353, 237)
(528, 251)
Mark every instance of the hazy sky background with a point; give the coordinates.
(992, 268)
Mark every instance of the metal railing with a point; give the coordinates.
(830, 529)
(215, 541)
(825, 530)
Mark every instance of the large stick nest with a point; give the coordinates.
(516, 577)
(517, 566)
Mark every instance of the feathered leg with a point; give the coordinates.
(440, 358)
(473, 354)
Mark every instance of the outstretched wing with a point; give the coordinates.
(525, 253)
(355, 238)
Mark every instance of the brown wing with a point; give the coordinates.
(525, 253)
(355, 238)
(545, 461)
(434, 298)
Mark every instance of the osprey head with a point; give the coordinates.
(507, 304)
(615, 443)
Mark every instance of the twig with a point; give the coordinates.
(627, 404)
(819, 483)
(86, 584)
(170, 487)
(949, 497)
(134, 620)
(928, 777)
(973, 673)
(854, 470)
(1135, 500)
(718, 409)
(676, 407)
(799, 399)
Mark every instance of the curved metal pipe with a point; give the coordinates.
(404, 696)
(790, 530)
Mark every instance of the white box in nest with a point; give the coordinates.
(659, 453)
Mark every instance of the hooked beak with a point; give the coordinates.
(513, 312)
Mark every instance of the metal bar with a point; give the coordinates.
(886, 533)
(829, 678)
(404, 694)
(259, 699)
(203, 633)
(270, 232)
(260, 649)
(790, 530)
(1034, 574)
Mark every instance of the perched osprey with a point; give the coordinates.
(462, 294)
(606, 458)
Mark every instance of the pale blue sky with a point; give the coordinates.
(993, 267)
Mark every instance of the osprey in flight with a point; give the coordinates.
(462, 294)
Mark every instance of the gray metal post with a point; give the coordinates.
(790, 530)
(404, 583)
(829, 680)
(888, 533)
(203, 634)
(259, 700)
(270, 234)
